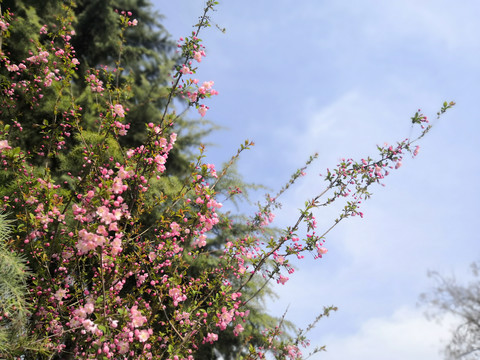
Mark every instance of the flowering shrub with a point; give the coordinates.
(118, 267)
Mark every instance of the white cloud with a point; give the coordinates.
(406, 334)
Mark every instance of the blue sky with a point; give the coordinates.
(337, 78)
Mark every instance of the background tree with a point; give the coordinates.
(145, 55)
(14, 309)
(462, 300)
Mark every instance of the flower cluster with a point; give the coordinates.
(190, 88)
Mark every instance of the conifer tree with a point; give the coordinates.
(14, 308)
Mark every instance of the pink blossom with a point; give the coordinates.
(113, 226)
(118, 110)
(152, 256)
(282, 280)
(60, 294)
(238, 329)
(267, 219)
(90, 326)
(78, 209)
(88, 241)
(117, 214)
(202, 110)
(89, 307)
(201, 241)
(175, 229)
(124, 174)
(293, 352)
(3, 25)
(142, 335)
(123, 347)
(417, 148)
(208, 85)
(13, 67)
(137, 318)
(102, 231)
(118, 187)
(197, 55)
(159, 159)
(321, 250)
(116, 246)
(212, 203)
(49, 79)
(41, 57)
(211, 338)
(192, 96)
(398, 164)
(177, 296)
(4, 145)
(104, 213)
(225, 318)
(163, 142)
(185, 70)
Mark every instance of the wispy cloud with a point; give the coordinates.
(405, 334)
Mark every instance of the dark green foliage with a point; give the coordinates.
(14, 310)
